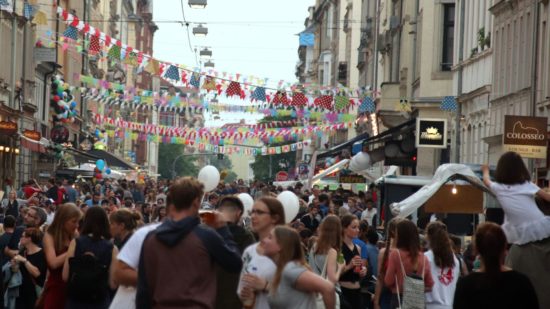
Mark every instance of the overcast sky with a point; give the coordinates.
(250, 37)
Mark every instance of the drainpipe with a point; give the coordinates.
(376, 32)
(22, 99)
(13, 57)
(415, 39)
(534, 64)
(459, 88)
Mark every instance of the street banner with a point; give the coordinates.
(526, 136)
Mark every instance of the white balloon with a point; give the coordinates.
(247, 201)
(291, 204)
(360, 162)
(210, 177)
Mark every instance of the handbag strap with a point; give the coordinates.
(324, 270)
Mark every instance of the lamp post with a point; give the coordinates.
(200, 31)
(174, 165)
(197, 4)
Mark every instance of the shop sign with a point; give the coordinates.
(60, 134)
(281, 176)
(31, 134)
(431, 133)
(352, 179)
(8, 127)
(43, 54)
(526, 136)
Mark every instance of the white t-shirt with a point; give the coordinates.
(445, 280)
(132, 249)
(368, 215)
(260, 265)
(523, 220)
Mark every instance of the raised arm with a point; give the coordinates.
(313, 283)
(70, 254)
(54, 261)
(486, 176)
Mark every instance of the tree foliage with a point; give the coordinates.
(278, 162)
(185, 165)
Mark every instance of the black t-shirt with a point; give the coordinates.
(27, 290)
(4, 242)
(509, 289)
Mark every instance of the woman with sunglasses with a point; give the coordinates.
(32, 265)
(258, 270)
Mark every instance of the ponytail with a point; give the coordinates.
(441, 245)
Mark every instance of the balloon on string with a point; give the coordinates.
(108, 171)
(210, 177)
(73, 105)
(100, 164)
(247, 201)
(291, 204)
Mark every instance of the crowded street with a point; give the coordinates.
(290, 154)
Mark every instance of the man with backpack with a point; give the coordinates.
(177, 267)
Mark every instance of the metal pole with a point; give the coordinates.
(13, 57)
(22, 155)
(534, 63)
(459, 88)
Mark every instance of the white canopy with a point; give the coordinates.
(90, 167)
(442, 175)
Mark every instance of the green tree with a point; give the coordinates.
(185, 165)
(278, 162)
(223, 163)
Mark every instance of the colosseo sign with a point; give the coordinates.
(526, 136)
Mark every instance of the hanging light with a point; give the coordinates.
(205, 53)
(197, 4)
(16, 151)
(200, 31)
(209, 64)
(454, 190)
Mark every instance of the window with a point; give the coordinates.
(448, 36)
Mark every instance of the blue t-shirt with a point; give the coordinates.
(372, 252)
(361, 244)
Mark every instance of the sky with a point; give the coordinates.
(249, 37)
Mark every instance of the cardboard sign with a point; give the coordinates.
(526, 136)
(431, 133)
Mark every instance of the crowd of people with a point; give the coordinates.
(169, 244)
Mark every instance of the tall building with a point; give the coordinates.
(472, 80)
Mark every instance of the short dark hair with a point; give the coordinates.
(35, 235)
(9, 221)
(96, 223)
(41, 213)
(511, 169)
(183, 192)
(323, 198)
(372, 236)
(231, 201)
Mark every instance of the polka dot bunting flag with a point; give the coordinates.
(71, 33)
(94, 48)
(233, 89)
(299, 99)
(259, 94)
(324, 101)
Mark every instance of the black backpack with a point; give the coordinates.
(88, 278)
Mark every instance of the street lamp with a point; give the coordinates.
(209, 64)
(174, 165)
(205, 53)
(200, 31)
(197, 4)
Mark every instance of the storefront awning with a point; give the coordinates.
(367, 139)
(111, 159)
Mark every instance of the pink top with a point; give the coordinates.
(394, 270)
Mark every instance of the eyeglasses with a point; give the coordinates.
(259, 212)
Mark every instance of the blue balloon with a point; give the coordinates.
(73, 105)
(100, 164)
(108, 171)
